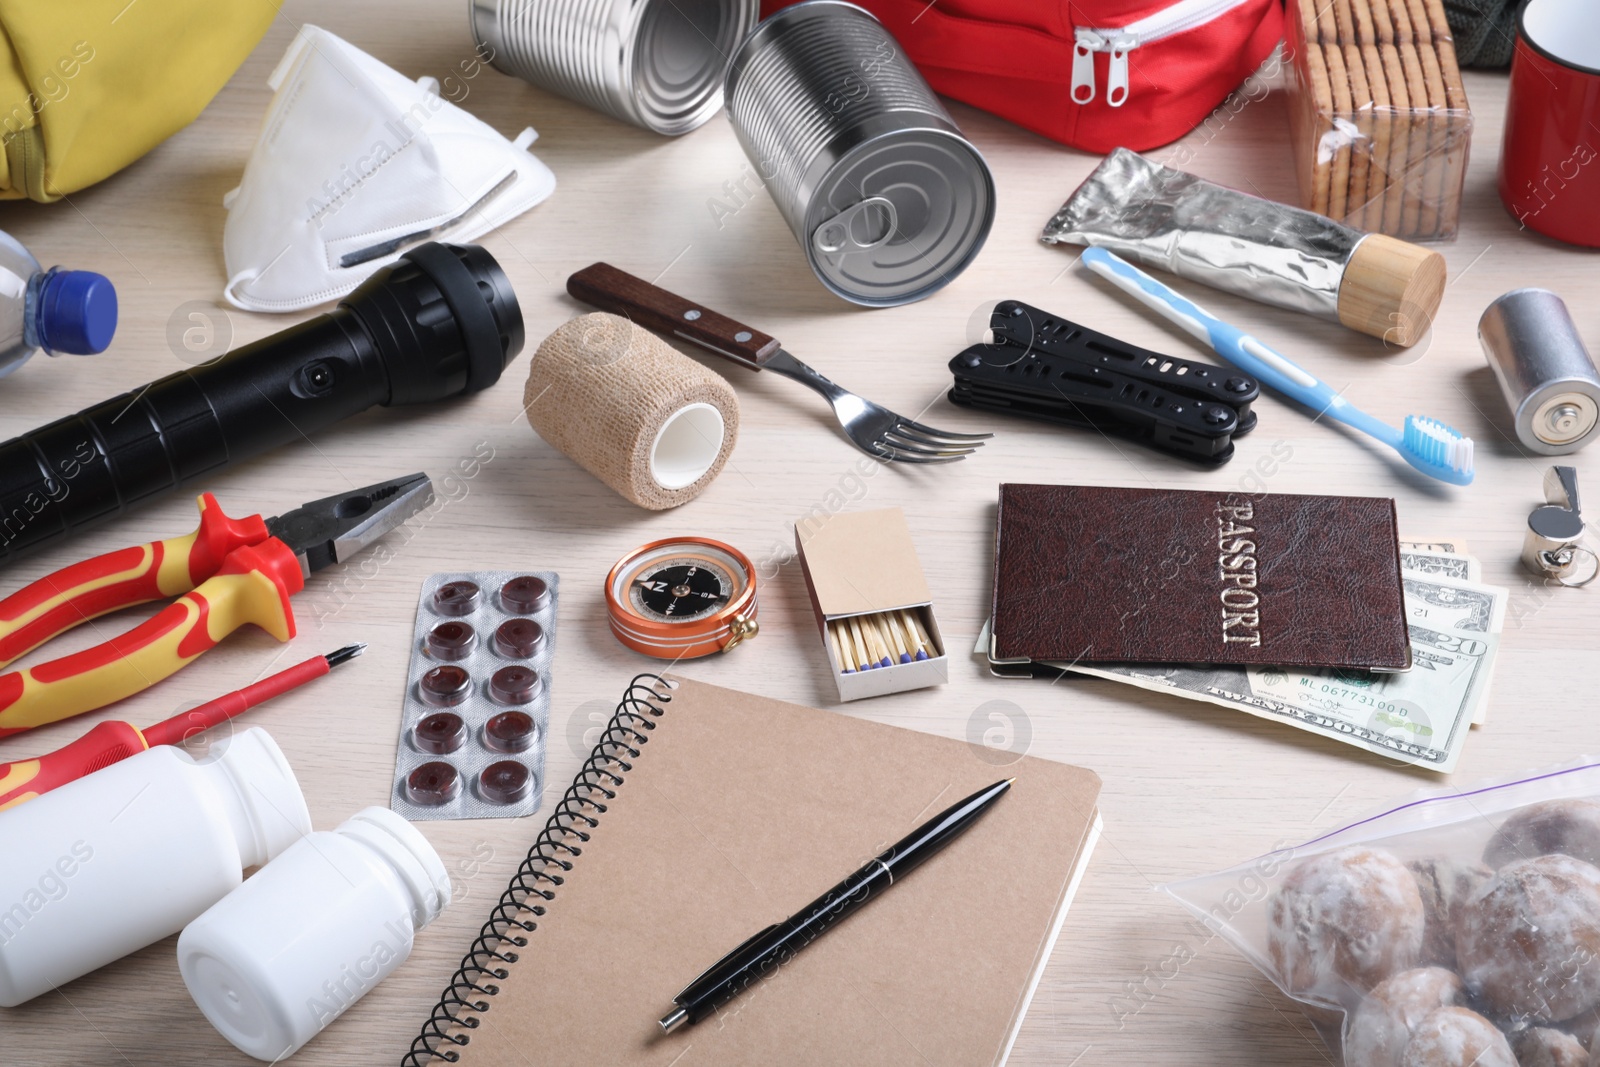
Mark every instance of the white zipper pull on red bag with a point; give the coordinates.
(1167, 65)
(1181, 17)
(1088, 42)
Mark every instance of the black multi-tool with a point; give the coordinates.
(1046, 367)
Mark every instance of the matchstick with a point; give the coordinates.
(861, 623)
(880, 647)
(863, 660)
(838, 648)
(892, 625)
(925, 648)
(912, 641)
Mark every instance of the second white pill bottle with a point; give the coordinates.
(312, 932)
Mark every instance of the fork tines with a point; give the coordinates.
(908, 441)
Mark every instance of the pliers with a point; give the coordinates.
(228, 571)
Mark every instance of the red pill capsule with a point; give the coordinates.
(445, 687)
(440, 733)
(518, 638)
(515, 684)
(457, 598)
(433, 783)
(510, 731)
(451, 640)
(525, 594)
(505, 782)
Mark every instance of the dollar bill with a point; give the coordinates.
(1441, 565)
(1468, 607)
(1421, 716)
(1461, 567)
(1446, 604)
(1438, 544)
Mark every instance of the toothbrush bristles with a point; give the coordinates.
(1439, 444)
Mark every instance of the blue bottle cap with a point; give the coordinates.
(77, 312)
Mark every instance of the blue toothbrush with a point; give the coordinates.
(1427, 444)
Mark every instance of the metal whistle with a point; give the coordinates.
(1551, 549)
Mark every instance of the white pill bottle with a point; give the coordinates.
(308, 935)
(125, 856)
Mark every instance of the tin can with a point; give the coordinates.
(1544, 370)
(888, 199)
(655, 63)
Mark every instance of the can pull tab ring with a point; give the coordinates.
(874, 219)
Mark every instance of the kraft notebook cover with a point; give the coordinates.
(1106, 575)
(732, 812)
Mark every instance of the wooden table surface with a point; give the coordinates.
(1189, 788)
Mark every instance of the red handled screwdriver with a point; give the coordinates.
(114, 741)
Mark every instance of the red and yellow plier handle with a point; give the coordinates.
(230, 572)
(161, 569)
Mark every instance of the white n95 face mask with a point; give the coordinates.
(355, 164)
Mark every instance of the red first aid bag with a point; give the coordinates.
(1093, 74)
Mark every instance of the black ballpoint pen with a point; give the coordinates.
(777, 944)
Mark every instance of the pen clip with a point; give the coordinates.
(714, 973)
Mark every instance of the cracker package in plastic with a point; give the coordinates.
(1378, 114)
(1458, 927)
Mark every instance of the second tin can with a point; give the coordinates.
(877, 184)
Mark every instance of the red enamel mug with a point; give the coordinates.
(1550, 159)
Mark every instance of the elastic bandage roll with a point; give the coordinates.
(628, 408)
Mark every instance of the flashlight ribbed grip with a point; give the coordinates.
(91, 466)
(88, 466)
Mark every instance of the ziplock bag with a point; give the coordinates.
(1459, 926)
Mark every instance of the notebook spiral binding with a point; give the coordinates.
(539, 874)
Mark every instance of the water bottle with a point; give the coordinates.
(50, 311)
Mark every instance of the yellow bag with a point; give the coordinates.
(89, 86)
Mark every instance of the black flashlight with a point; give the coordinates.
(440, 322)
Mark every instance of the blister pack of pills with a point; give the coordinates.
(477, 704)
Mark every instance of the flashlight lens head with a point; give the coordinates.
(444, 320)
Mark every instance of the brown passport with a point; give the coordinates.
(1102, 575)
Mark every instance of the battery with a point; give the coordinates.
(1549, 381)
(887, 198)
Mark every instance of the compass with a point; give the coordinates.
(680, 598)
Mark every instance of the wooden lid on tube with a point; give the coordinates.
(1391, 289)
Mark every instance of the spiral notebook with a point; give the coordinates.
(705, 814)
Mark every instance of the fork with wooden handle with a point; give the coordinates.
(872, 428)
